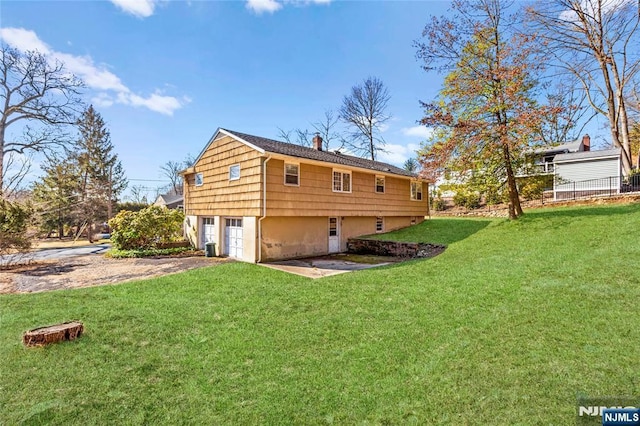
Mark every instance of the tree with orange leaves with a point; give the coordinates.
(486, 116)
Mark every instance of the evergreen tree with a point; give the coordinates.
(56, 194)
(101, 174)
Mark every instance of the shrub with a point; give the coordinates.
(136, 253)
(146, 229)
(14, 220)
(532, 187)
(467, 199)
(439, 204)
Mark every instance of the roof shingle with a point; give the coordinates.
(284, 148)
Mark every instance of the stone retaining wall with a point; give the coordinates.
(393, 248)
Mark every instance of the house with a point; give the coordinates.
(541, 159)
(259, 199)
(587, 173)
(170, 201)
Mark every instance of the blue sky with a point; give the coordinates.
(165, 74)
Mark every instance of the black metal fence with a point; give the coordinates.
(603, 187)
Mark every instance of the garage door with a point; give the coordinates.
(208, 230)
(233, 238)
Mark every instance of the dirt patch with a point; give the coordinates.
(92, 270)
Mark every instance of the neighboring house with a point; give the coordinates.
(541, 159)
(259, 199)
(170, 201)
(587, 173)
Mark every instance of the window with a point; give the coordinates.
(379, 224)
(333, 226)
(413, 220)
(416, 191)
(291, 174)
(234, 172)
(199, 179)
(341, 181)
(380, 184)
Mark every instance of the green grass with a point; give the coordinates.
(508, 326)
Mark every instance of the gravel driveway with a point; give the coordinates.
(92, 270)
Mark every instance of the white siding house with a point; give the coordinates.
(587, 173)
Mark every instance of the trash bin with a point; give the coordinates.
(210, 249)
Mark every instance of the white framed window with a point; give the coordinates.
(199, 179)
(416, 191)
(379, 224)
(380, 184)
(291, 174)
(341, 181)
(234, 172)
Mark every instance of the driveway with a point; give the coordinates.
(54, 253)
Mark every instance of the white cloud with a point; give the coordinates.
(397, 154)
(271, 6)
(138, 8)
(593, 9)
(23, 40)
(109, 86)
(261, 6)
(418, 131)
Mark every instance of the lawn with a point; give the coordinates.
(509, 325)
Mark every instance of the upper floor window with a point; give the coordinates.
(416, 191)
(199, 179)
(380, 184)
(341, 181)
(291, 174)
(234, 172)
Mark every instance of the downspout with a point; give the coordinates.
(264, 206)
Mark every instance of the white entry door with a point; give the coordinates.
(233, 238)
(208, 230)
(334, 235)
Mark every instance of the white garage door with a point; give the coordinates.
(233, 238)
(208, 230)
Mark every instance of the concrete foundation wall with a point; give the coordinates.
(291, 237)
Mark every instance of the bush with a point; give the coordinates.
(14, 219)
(439, 204)
(126, 254)
(532, 187)
(149, 228)
(467, 199)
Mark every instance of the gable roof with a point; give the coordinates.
(568, 147)
(292, 150)
(169, 198)
(587, 155)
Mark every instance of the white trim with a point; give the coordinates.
(284, 169)
(264, 206)
(421, 191)
(342, 173)
(195, 179)
(384, 184)
(239, 171)
(213, 138)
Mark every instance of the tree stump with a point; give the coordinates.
(53, 333)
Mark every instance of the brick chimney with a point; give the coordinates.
(317, 142)
(586, 142)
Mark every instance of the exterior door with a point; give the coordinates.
(233, 238)
(334, 235)
(208, 230)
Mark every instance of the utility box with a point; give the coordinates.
(210, 249)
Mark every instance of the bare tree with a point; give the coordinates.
(567, 115)
(171, 170)
(300, 137)
(16, 169)
(326, 128)
(42, 95)
(596, 41)
(364, 110)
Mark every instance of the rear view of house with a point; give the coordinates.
(258, 199)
